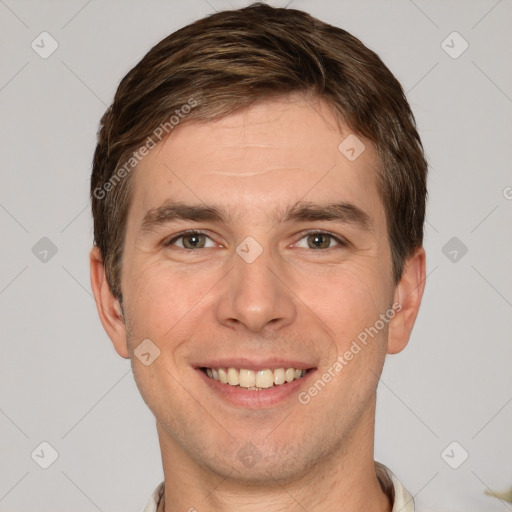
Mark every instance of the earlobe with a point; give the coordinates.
(108, 306)
(408, 294)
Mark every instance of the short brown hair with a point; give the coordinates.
(229, 61)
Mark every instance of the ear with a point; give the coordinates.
(109, 308)
(408, 294)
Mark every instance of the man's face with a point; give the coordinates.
(272, 285)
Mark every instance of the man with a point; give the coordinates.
(258, 194)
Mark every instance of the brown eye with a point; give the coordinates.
(319, 241)
(193, 241)
(190, 240)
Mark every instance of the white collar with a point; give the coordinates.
(399, 495)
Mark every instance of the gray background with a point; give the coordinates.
(60, 379)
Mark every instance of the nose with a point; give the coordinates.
(256, 296)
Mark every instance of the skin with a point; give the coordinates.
(294, 301)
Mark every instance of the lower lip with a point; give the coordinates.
(253, 399)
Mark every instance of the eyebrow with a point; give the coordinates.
(343, 212)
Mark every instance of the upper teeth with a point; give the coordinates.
(260, 379)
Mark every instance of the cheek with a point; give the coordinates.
(349, 299)
(159, 300)
(351, 304)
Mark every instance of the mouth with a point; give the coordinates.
(255, 380)
(255, 385)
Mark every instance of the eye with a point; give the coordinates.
(314, 240)
(191, 240)
(321, 240)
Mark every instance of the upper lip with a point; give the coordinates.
(254, 364)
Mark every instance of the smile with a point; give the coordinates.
(254, 380)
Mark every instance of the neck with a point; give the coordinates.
(343, 480)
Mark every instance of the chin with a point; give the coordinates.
(263, 463)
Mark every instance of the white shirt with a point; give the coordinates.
(398, 494)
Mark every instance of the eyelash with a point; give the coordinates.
(341, 241)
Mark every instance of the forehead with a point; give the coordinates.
(271, 154)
